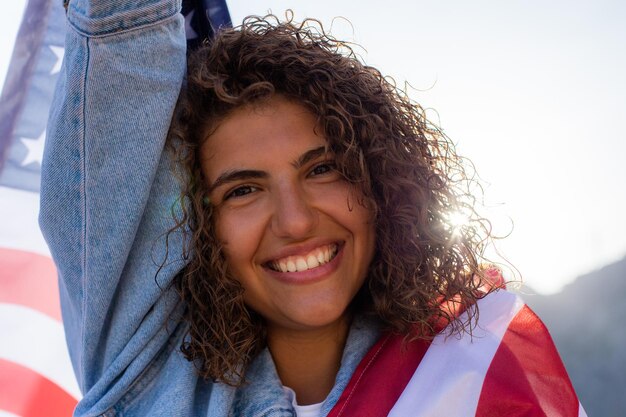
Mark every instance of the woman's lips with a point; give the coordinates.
(299, 263)
(309, 275)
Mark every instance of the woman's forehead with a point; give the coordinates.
(277, 130)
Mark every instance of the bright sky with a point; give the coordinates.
(532, 91)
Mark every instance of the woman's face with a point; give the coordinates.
(293, 231)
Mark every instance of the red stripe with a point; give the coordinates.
(380, 378)
(30, 280)
(383, 374)
(526, 377)
(29, 394)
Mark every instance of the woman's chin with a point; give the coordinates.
(312, 319)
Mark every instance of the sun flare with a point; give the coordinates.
(458, 219)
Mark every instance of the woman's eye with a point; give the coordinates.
(323, 168)
(240, 192)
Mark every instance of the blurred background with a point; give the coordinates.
(533, 93)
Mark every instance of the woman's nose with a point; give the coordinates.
(293, 216)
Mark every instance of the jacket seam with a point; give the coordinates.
(161, 19)
(83, 188)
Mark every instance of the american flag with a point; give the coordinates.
(508, 367)
(36, 376)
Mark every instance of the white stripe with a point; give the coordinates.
(36, 341)
(449, 379)
(581, 411)
(19, 228)
(7, 414)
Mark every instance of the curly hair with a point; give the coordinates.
(406, 168)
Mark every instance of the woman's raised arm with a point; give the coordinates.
(108, 192)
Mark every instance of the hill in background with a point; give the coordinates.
(587, 321)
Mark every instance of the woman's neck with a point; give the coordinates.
(307, 361)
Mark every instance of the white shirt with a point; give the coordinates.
(312, 410)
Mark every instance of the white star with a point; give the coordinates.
(58, 52)
(34, 149)
(191, 34)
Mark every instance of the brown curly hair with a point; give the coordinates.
(406, 168)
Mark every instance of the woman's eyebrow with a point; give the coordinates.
(246, 174)
(236, 175)
(309, 156)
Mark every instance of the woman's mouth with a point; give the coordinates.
(315, 258)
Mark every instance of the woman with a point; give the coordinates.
(313, 249)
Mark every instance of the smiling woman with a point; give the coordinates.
(290, 236)
(323, 265)
(286, 133)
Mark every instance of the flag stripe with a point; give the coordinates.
(459, 365)
(29, 279)
(35, 341)
(29, 394)
(387, 357)
(19, 228)
(527, 375)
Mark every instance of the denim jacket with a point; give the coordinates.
(106, 205)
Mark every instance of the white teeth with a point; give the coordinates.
(301, 264)
(291, 266)
(320, 257)
(312, 260)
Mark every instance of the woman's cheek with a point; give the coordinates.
(240, 229)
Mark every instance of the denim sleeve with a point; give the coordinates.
(108, 191)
